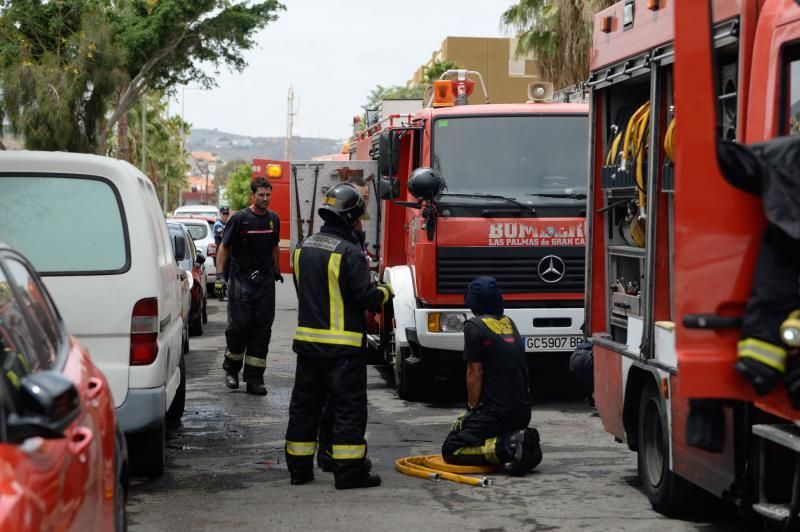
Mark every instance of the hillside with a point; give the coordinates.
(230, 146)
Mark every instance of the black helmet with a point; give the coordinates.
(424, 183)
(342, 202)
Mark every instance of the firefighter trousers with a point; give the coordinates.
(484, 436)
(251, 311)
(344, 379)
(776, 291)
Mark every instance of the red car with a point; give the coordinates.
(63, 460)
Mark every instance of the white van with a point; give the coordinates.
(92, 226)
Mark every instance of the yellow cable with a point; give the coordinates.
(629, 132)
(433, 467)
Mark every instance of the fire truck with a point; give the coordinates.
(511, 205)
(672, 245)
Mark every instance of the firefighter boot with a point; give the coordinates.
(304, 477)
(256, 388)
(761, 363)
(524, 450)
(231, 380)
(328, 464)
(367, 480)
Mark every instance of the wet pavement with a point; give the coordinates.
(226, 471)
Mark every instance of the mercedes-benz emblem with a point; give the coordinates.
(551, 269)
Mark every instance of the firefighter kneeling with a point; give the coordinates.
(494, 430)
(333, 290)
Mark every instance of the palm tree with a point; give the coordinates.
(558, 33)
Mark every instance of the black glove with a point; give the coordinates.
(458, 424)
(762, 377)
(278, 276)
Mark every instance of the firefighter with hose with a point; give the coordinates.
(494, 430)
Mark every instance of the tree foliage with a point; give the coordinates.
(558, 33)
(237, 190)
(71, 69)
(223, 172)
(165, 156)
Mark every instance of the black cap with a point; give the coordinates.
(224, 210)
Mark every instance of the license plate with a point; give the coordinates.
(536, 344)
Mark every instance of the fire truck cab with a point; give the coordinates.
(512, 205)
(672, 245)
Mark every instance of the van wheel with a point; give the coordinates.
(178, 406)
(120, 484)
(196, 325)
(668, 493)
(205, 309)
(149, 450)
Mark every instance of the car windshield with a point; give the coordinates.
(513, 156)
(198, 231)
(64, 224)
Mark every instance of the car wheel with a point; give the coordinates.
(196, 325)
(205, 309)
(176, 409)
(120, 484)
(185, 340)
(668, 493)
(149, 450)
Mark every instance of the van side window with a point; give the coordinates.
(791, 98)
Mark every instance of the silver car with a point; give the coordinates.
(200, 229)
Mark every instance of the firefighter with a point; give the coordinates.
(334, 290)
(769, 169)
(494, 430)
(251, 238)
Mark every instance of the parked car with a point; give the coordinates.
(64, 460)
(99, 241)
(200, 229)
(192, 262)
(208, 212)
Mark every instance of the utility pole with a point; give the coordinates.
(290, 114)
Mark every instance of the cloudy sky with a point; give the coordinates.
(333, 52)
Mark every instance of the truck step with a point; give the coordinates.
(786, 435)
(773, 512)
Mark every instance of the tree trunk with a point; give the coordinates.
(123, 143)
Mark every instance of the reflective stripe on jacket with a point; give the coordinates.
(334, 290)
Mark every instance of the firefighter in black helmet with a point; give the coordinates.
(334, 291)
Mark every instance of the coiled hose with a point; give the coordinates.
(433, 467)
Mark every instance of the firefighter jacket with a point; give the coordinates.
(334, 290)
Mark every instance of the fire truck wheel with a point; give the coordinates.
(405, 381)
(668, 493)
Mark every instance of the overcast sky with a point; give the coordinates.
(333, 52)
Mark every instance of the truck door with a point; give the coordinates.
(718, 227)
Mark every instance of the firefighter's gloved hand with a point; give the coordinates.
(220, 284)
(761, 363)
(389, 293)
(278, 277)
(458, 424)
(792, 380)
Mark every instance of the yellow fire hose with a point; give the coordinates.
(433, 467)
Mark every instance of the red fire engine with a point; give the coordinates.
(277, 172)
(672, 245)
(513, 207)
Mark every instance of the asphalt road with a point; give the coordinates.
(226, 471)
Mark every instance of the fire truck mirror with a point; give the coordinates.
(388, 153)
(389, 188)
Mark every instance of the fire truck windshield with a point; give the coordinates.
(517, 156)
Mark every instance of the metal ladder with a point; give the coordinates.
(785, 435)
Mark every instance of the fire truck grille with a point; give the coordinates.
(517, 270)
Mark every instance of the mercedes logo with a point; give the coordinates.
(551, 269)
